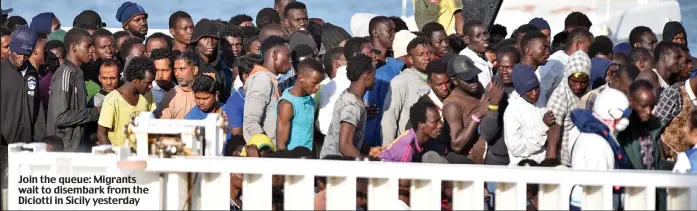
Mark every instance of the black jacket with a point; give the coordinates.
(20, 105)
(220, 72)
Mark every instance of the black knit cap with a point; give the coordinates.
(332, 35)
(89, 17)
(204, 28)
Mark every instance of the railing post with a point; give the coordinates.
(299, 192)
(511, 196)
(175, 184)
(468, 195)
(640, 198)
(425, 194)
(341, 193)
(257, 191)
(215, 191)
(682, 198)
(550, 197)
(382, 192)
(597, 198)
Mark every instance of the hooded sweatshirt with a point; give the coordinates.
(671, 29)
(524, 131)
(550, 75)
(599, 68)
(216, 68)
(563, 100)
(260, 106)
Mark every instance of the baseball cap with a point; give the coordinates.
(462, 67)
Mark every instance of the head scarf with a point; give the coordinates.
(671, 29)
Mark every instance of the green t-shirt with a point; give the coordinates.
(92, 88)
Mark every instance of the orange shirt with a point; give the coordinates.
(176, 103)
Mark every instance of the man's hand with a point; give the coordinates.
(495, 93)
(483, 106)
(548, 119)
(375, 151)
(252, 151)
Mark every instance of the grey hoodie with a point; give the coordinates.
(67, 107)
(405, 89)
(260, 105)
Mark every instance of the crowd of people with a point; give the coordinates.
(292, 86)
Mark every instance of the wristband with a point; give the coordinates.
(493, 107)
(476, 119)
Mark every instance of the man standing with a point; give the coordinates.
(477, 42)
(345, 135)
(643, 37)
(164, 62)
(181, 27)
(133, 18)
(574, 85)
(67, 105)
(497, 151)
(126, 102)
(667, 59)
(330, 93)
(640, 139)
(405, 90)
(383, 75)
(20, 98)
(205, 42)
(36, 60)
(439, 39)
(295, 17)
(296, 119)
(467, 107)
(552, 73)
(6, 36)
(382, 36)
(262, 89)
(109, 71)
(178, 102)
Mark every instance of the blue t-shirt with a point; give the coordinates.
(234, 108)
(301, 126)
(197, 114)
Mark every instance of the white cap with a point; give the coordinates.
(401, 40)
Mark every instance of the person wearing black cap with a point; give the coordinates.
(133, 18)
(45, 23)
(88, 20)
(467, 108)
(67, 106)
(19, 102)
(205, 41)
(525, 125)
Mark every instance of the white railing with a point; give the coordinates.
(166, 178)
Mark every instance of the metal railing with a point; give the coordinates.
(166, 178)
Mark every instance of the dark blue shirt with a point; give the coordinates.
(377, 96)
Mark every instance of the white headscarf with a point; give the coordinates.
(359, 24)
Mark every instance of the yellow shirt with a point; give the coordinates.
(441, 11)
(117, 113)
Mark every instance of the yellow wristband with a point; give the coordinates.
(494, 107)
